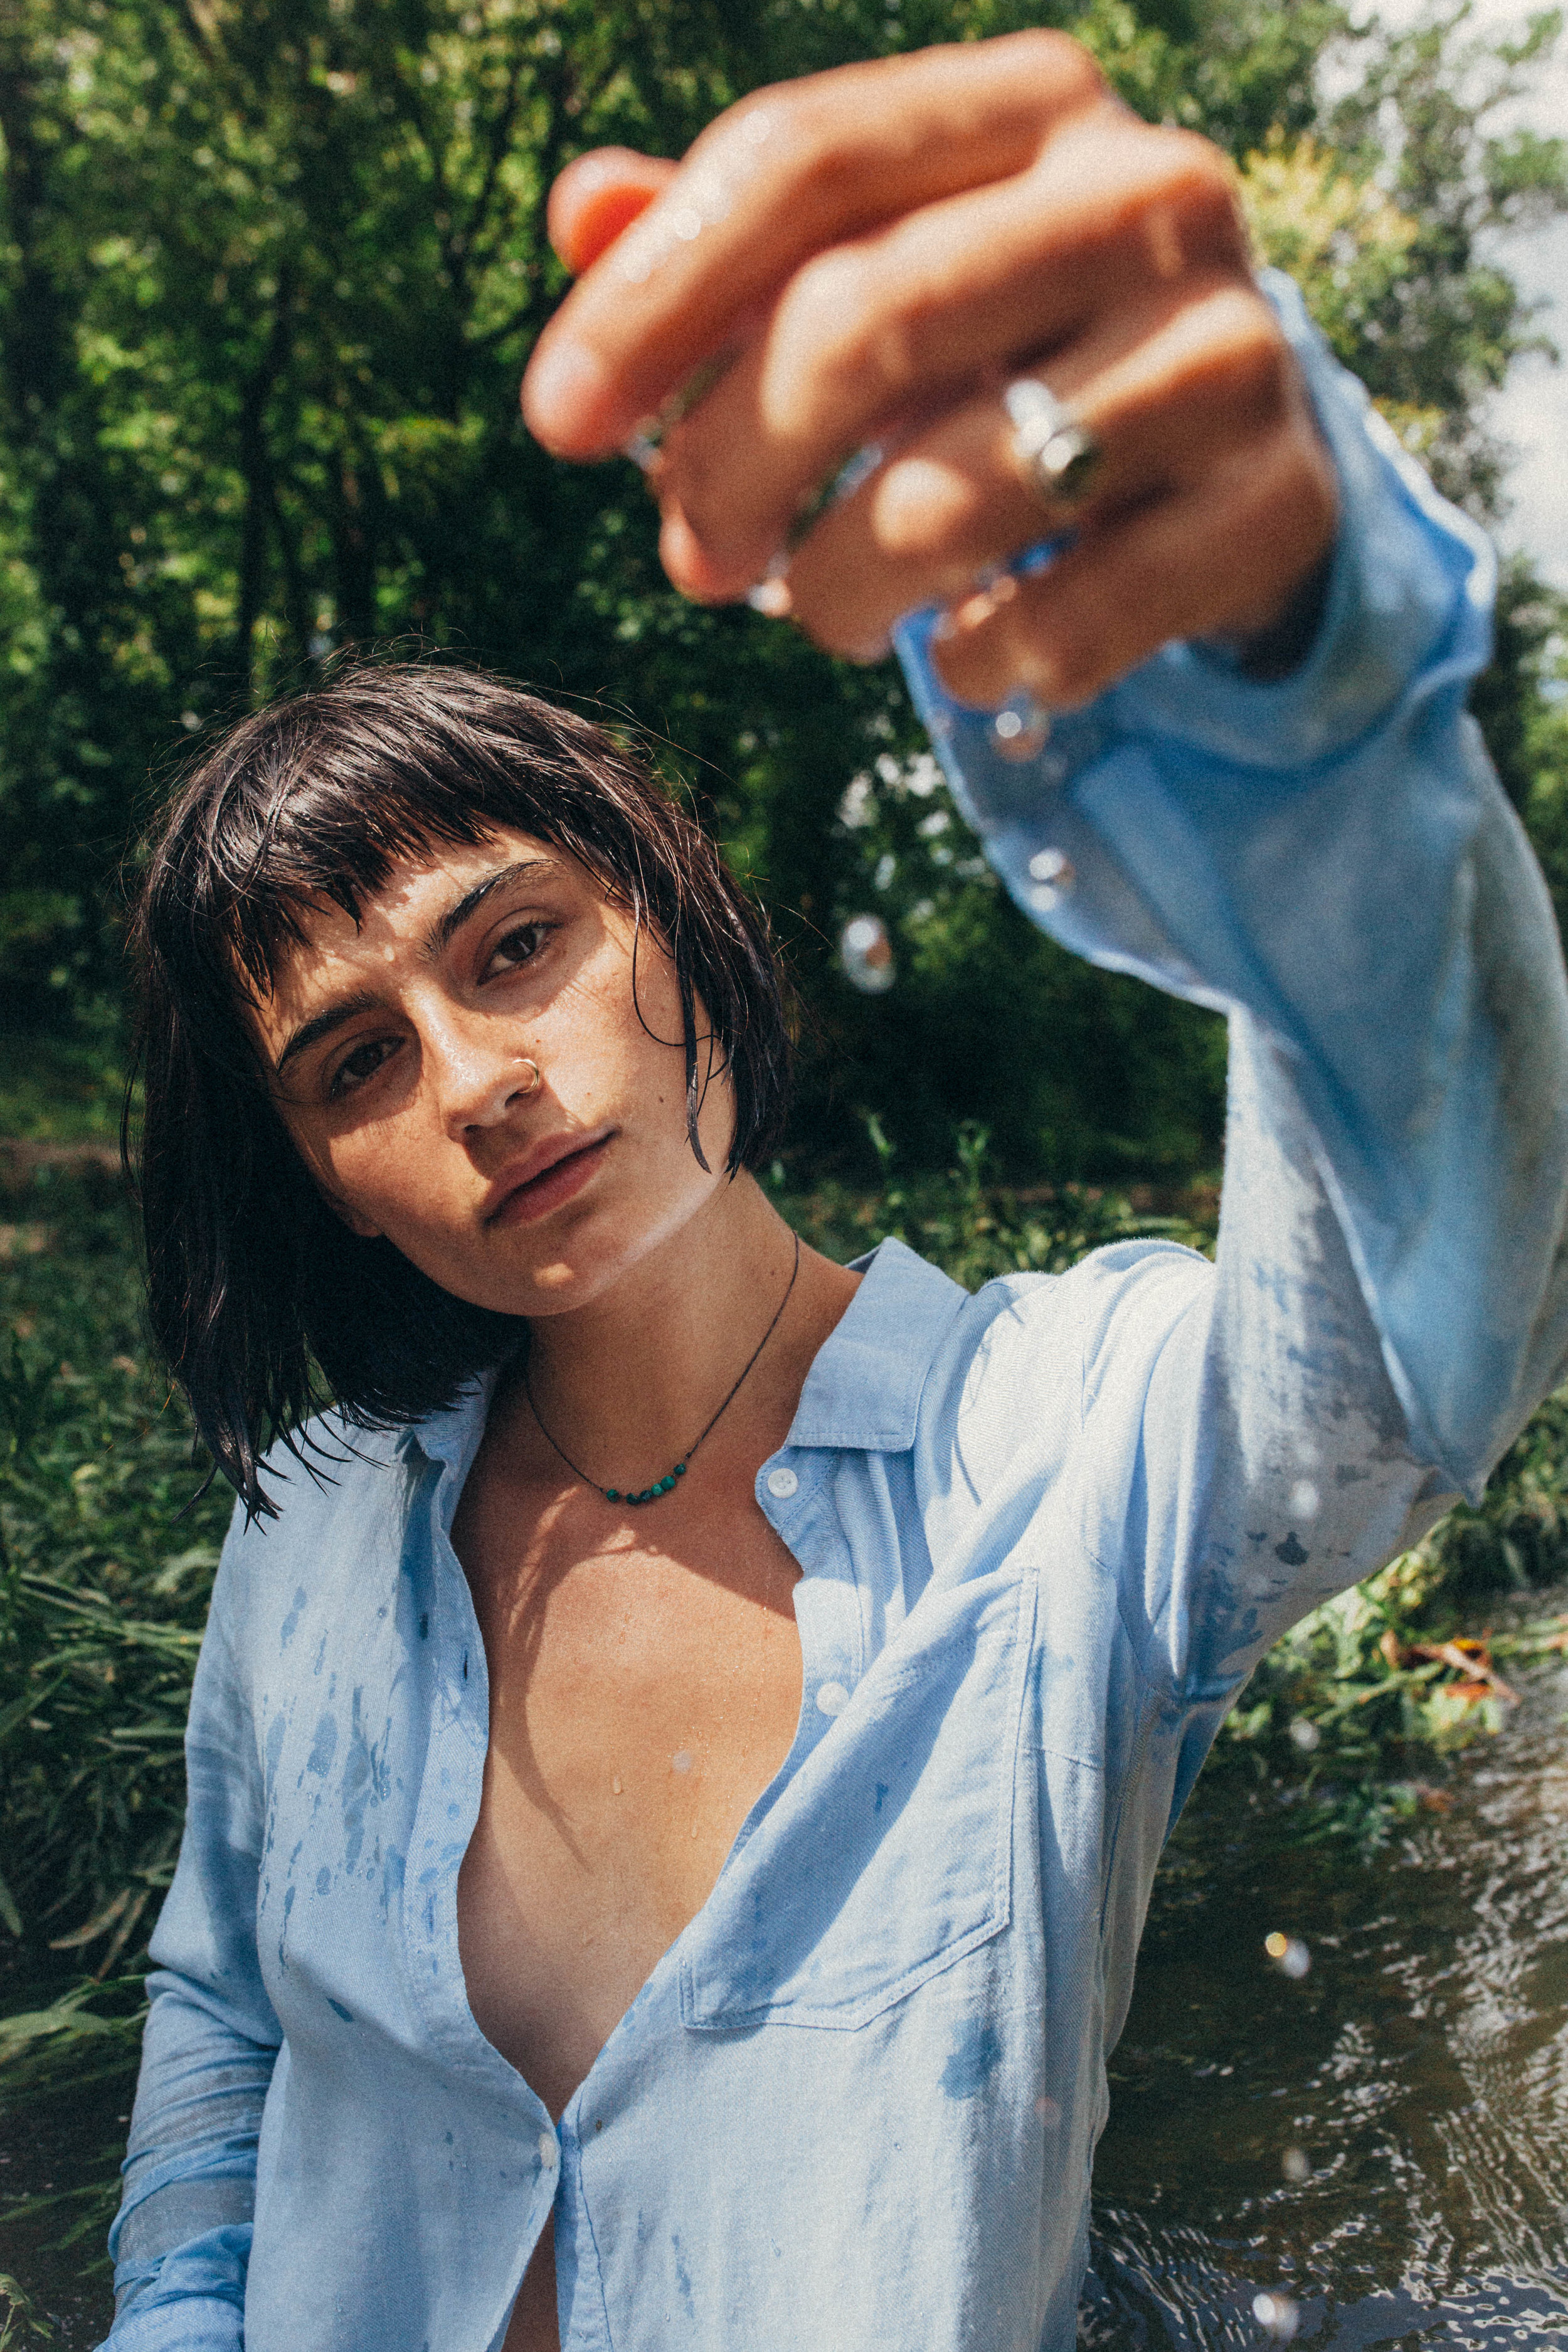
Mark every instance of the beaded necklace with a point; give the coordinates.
(666, 1485)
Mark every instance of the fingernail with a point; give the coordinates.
(690, 565)
(772, 597)
(563, 396)
(680, 548)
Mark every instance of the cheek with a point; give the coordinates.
(620, 1057)
(615, 1051)
(377, 1183)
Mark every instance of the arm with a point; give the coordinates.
(1330, 860)
(875, 253)
(180, 2241)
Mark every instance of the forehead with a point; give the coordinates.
(403, 918)
(424, 882)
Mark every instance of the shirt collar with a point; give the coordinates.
(862, 1392)
(452, 1435)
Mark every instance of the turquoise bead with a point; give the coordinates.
(665, 1486)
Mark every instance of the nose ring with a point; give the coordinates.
(531, 1086)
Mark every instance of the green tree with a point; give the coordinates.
(270, 274)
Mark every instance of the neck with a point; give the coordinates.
(626, 1382)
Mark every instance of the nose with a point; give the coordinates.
(479, 1077)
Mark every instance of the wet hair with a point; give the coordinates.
(264, 1303)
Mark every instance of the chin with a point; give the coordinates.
(550, 1282)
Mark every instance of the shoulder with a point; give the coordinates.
(340, 1500)
(1029, 1355)
(328, 1476)
(1124, 1297)
(1124, 1302)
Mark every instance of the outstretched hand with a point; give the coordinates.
(872, 255)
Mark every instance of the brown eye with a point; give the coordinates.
(517, 947)
(362, 1064)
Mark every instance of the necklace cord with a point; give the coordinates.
(615, 1493)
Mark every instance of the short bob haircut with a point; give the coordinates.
(264, 1303)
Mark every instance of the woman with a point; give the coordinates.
(674, 1784)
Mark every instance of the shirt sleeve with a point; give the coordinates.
(180, 2241)
(1330, 861)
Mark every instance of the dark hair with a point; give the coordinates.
(264, 1303)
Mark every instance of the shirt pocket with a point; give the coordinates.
(889, 1855)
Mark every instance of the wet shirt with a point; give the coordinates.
(1045, 1533)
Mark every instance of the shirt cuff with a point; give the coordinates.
(192, 2299)
(1406, 611)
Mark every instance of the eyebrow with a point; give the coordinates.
(446, 929)
(310, 1033)
(440, 935)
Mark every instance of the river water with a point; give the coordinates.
(1419, 2068)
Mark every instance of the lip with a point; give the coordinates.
(557, 1168)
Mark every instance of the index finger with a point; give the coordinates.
(598, 196)
(777, 178)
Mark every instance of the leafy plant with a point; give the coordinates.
(19, 2320)
(107, 1561)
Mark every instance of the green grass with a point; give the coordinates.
(19, 2321)
(106, 1562)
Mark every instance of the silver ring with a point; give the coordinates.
(526, 1061)
(649, 437)
(1053, 449)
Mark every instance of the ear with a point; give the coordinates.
(356, 1222)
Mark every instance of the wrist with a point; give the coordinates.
(1274, 652)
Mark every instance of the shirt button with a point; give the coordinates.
(781, 1483)
(832, 1699)
(547, 2150)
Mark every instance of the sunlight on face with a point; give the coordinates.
(403, 1051)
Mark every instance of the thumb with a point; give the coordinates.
(596, 196)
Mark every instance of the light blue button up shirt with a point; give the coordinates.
(1044, 1534)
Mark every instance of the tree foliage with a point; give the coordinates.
(271, 270)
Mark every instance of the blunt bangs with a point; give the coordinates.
(265, 1304)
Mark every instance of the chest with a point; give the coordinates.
(643, 1694)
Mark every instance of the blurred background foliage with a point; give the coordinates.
(270, 272)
